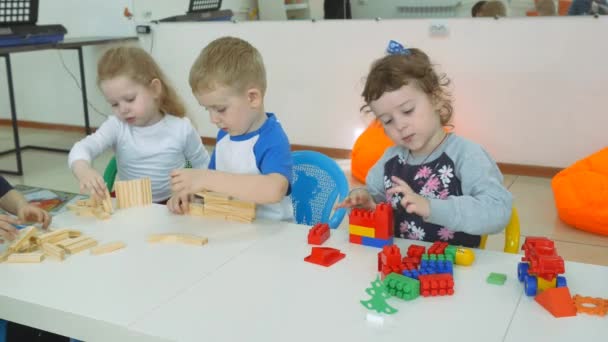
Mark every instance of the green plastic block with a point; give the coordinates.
(496, 278)
(441, 257)
(425, 256)
(402, 287)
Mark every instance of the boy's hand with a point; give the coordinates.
(358, 198)
(7, 228)
(179, 204)
(31, 213)
(411, 201)
(91, 182)
(187, 181)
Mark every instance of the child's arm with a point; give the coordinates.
(194, 151)
(261, 189)
(86, 150)
(485, 206)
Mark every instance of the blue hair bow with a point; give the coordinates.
(395, 48)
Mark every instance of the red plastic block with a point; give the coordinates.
(415, 251)
(383, 221)
(358, 239)
(542, 256)
(410, 263)
(318, 234)
(557, 301)
(438, 247)
(380, 219)
(324, 256)
(390, 255)
(436, 285)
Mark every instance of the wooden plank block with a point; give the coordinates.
(107, 203)
(4, 255)
(70, 242)
(81, 246)
(23, 237)
(36, 257)
(53, 251)
(178, 238)
(108, 248)
(60, 234)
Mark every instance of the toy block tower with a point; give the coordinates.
(372, 227)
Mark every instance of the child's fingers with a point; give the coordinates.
(9, 219)
(8, 231)
(398, 180)
(46, 219)
(184, 204)
(173, 205)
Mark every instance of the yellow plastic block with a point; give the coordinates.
(544, 284)
(362, 231)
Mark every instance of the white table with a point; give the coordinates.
(251, 283)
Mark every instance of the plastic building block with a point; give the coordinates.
(542, 284)
(411, 274)
(410, 263)
(437, 247)
(363, 231)
(464, 257)
(358, 239)
(557, 301)
(436, 285)
(450, 253)
(390, 255)
(324, 256)
(496, 278)
(541, 255)
(379, 297)
(374, 242)
(436, 266)
(380, 219)
(402, 287)
(591, 306)
(318, 234)
(415, 251)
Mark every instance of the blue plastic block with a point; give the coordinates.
(378, 243)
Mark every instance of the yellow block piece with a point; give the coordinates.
(362, 231)
(544, 284)
(464, 256)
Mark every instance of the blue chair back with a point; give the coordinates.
(318, 184)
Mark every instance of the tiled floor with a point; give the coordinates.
(533, 196)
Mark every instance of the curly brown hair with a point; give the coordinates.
(392, 72)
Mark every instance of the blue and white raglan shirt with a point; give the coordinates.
(260, 152)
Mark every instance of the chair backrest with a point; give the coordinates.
(512, 233)
(318, 184)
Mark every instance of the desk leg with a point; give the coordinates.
(11, 96)
(85, 102)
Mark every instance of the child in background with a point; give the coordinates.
(149, 134)
(441, 186)
(252, 156)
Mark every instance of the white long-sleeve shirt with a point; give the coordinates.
(151, 151)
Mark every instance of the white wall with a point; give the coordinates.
(532, 90)
(44, 91)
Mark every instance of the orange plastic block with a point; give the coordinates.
(590, 305)
(324, 256)
(557, 301)
(318, 234)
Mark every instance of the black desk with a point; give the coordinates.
(67, 44)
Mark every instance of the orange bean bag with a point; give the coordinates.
(581, 193)
(368, 149)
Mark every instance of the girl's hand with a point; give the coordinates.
(179, 204)
(31, 213)
(91, 182)
(7, 228)
(359, 198)
(411, 201)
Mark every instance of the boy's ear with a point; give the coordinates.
(156, 87)
(254, 96)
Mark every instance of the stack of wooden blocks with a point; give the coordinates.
(223, 206)
(133, 193)
(102, 209)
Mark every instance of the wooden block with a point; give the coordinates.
(107, 203)
(36, 257)
(53, 236)
(53, 251)
(81, 246)
(23, 238)
(70, 242)
(178, 238)
(107, 248)
(4, 255)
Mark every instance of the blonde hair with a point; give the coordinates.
(136, 64)
(392, 72)
(230, 62)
